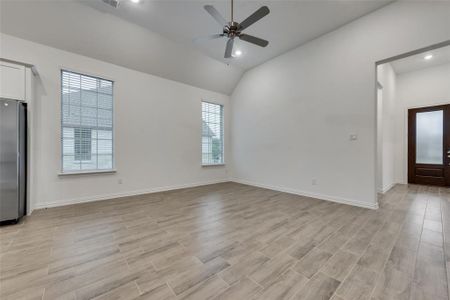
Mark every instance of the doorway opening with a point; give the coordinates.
(413, 118)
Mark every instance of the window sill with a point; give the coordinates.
(93, 172)
(213, 165)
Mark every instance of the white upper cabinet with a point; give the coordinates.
(12, 81)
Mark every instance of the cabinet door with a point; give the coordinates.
(12, 81)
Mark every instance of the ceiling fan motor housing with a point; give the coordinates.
(231, 30)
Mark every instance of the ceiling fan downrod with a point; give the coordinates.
(232, 9)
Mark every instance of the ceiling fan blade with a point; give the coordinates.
(255, 17)
(229, 48)
(207, 38)
(215, 14)
(254, 40)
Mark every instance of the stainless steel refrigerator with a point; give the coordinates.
(13, 159)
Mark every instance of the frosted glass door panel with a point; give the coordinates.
(429, 137)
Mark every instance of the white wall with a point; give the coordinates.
(379, 167)
(426, 87)
(387, 139)
(292, 116)
(157, 129)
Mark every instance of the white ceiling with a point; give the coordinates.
(156, 37)
(77, 28)
(417, 62)
(289, 24)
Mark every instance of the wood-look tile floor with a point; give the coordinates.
(232, 241)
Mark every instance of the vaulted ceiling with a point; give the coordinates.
(156, 37)
(289, 24)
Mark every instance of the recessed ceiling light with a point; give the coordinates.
(428, 56)
(135, 1)
(237, 53)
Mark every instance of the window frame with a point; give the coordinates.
(62, 172)
(223, 134)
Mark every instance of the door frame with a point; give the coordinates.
(411, 140)
(405, 132)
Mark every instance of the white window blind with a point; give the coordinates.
(87, 123)
(212, 133)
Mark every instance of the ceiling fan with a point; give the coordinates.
(233, 29)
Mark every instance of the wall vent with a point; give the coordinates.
(113, 3)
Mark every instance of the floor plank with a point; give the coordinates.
(232, 241)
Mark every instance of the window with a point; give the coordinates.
(212, 134)
(430, 137)
(83, 144)
(87, 123)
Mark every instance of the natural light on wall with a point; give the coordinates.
(212, 134)
(87, 123)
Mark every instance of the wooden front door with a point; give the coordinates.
(429, 145)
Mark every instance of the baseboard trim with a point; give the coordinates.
(191, 185)
(124, 194)
(309, 194)
(386, 189)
